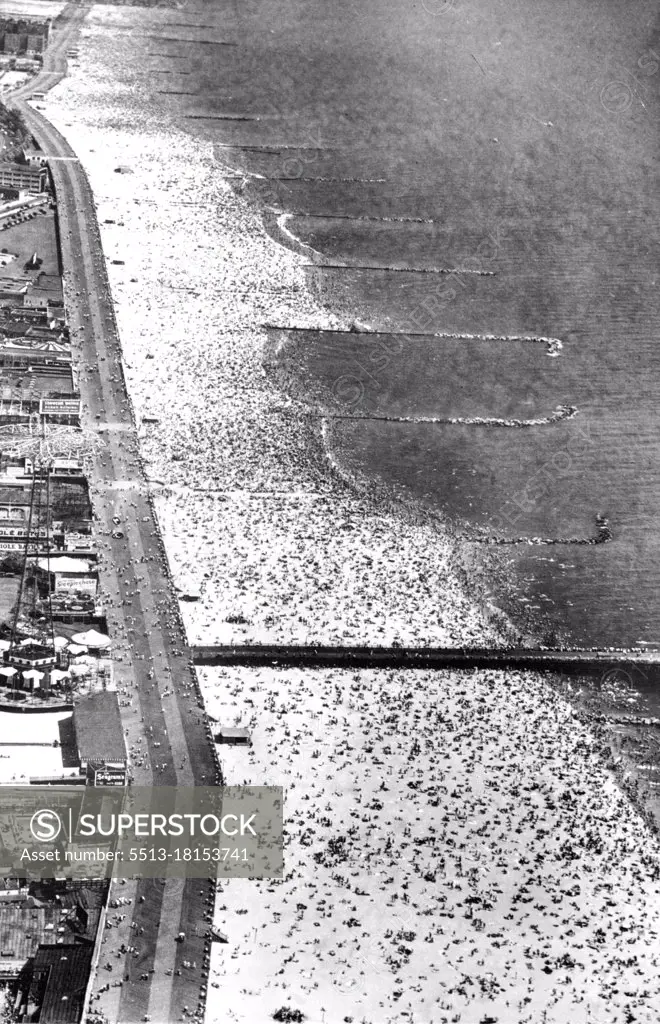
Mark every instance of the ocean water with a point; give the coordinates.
(476, 187)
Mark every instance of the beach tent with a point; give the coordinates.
(92, 639)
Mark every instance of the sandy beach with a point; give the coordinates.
(456, 847)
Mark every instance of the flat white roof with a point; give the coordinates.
(63, 564)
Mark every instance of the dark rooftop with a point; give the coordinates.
(98, 727)
(59, 982)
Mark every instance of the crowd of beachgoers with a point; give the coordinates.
(456, 850)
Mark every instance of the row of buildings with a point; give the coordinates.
(50, 930)
(36, 370)
(21, 36)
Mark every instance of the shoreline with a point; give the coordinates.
(352, 698)
(265, 453)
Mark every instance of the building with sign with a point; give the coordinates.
(68, 575)
(60, 406)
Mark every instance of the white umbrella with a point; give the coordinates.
(26, 643)
(60, 643)
(8, 671)
(92, 638)
(57, 674)
(5, 645)
(77, 649)
(77, 671)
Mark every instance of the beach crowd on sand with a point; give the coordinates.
(456, 849)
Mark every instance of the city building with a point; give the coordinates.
(59, 977)
(46, 289)
(42, 915)
(23, 177)
(24, 36)
(13, 290)
(68, 575)
(33, 155)
(14, 503)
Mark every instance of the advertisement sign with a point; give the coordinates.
(59, 407)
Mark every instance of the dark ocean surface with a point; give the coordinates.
(517, 145)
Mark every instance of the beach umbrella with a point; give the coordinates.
(5, 645)
(8, 671)
(92, 638)
(57, 675)
(60, 643)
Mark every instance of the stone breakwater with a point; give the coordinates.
(562, 412)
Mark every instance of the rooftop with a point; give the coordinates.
(59, 982)
(8, 165)
(99, 732)
(62, 563)
(15, 494)
(41, 917)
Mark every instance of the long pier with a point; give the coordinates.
(639, 666)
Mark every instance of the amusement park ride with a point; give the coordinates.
(41, 443)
